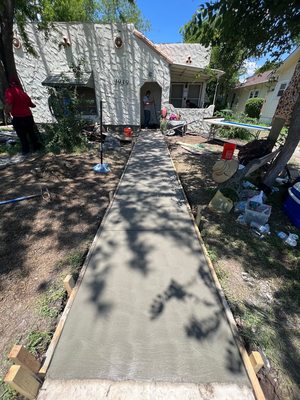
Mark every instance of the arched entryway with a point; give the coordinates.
(156, 91)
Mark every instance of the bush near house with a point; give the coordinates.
(66, 133)
(253, 107)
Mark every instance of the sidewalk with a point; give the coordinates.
(147, 322)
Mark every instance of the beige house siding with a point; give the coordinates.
(272, 98)
(243, 94)
(267, 90)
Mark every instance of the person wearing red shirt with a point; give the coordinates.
(18, 104)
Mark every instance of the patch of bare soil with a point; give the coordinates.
(37, 235)
(260, 278)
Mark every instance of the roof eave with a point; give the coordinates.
(148, 42)
(251, 84)
(218, 72)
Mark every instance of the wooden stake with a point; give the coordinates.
(256, 361)
(19, 355)
(23, 381)
(69, 284)
(198, 216)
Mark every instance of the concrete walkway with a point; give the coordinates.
(147, 322)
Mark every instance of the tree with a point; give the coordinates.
(258, 27)
(105, 11)
(68, 10)
(223, 58)
(122, 11)
(267, 66)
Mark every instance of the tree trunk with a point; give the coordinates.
(277, 125)
(7, 60)
(284, 107)
(289, 147)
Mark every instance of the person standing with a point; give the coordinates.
(18, 104)
(147, 108)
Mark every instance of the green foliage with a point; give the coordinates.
(227, 114)
(37, 342)
(253, 107)
(282, 136)
(68, 10)
(268, 66)
(228, 26)
(229, 60)
(9, 149)
(50, 303)
(123, 11)
(66, 133)
(234, 133)
(230, 23)
(6, 393)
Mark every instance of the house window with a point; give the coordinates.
(62, 98)
(253, 93)
(176, 96)
(180, 93)
(194, 94)
(281, 89)
(86, 101)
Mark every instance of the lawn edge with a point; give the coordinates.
(59, 328)
(259, 395)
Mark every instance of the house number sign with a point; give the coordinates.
(121, 82)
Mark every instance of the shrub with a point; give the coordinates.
(235, 133)
(227, 114)
(253, 107)
(66, 133)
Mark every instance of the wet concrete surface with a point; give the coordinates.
(147, 309)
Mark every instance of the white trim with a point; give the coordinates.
(278, 86)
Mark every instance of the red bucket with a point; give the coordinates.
(128, 132)
(228, 150)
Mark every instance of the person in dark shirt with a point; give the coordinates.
(17, 105)
(189, 104)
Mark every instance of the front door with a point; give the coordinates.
(155, 107)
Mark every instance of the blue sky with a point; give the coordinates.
(168, 16)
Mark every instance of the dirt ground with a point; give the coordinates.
(260, 278)
(43, 238)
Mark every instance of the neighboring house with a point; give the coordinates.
(117, 64)
(268, 85)
(284, 74)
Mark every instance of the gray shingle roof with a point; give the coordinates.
(192, 54)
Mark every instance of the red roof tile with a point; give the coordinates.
(256, 79)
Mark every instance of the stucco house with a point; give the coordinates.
(114, 63)
(268, 85)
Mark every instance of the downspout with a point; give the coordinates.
(216, 90)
